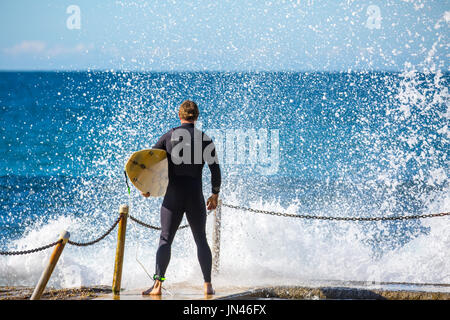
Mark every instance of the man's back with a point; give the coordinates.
(188, 149)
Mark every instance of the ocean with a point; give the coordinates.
(357, 144)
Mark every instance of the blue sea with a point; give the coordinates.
(369, 144)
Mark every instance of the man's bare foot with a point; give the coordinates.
(155, 290)
(209, 289)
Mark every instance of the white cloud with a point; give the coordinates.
(26, 47)
(62, 50)
(40, 48)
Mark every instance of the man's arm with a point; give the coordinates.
(216, 179)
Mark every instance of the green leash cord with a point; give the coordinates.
(126, 181)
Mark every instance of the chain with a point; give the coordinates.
(16, 253)
(150, 226)
(155, 227)
(80, 244)
(85, 244)
(280, 214)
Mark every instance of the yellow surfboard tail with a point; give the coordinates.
(148, 171)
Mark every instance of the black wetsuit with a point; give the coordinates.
(184, 192)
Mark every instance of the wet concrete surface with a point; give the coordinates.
(315, 290)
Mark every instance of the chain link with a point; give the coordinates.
(280, 214)
(16, 253)
(85, 244)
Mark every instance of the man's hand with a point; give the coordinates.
(146, 194)
(211, 203)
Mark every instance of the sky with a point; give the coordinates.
(224, 35)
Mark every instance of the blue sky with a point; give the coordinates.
(232, 35)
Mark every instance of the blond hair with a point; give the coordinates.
(189, 111)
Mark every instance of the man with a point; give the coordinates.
(187, 151)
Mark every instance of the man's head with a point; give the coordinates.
(188, 111)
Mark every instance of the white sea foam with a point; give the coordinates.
(256, 249)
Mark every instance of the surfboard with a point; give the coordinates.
(148, 171)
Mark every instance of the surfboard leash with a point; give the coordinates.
(142, 265)
(126, 181)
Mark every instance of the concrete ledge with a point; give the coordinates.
(82, 293)
(340, 293)
(338, 290)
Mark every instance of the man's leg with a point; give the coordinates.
(170, 221)
(196, 216)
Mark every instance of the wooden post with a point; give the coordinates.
(216, 237)
(40, 287)
(117, 278)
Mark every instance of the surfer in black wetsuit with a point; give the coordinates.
(188, 149)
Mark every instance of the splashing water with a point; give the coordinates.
(351, 144)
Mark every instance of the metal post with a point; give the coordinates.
(216, 237)
(40, 287)
(117, 278)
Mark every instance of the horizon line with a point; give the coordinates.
(206, 71)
